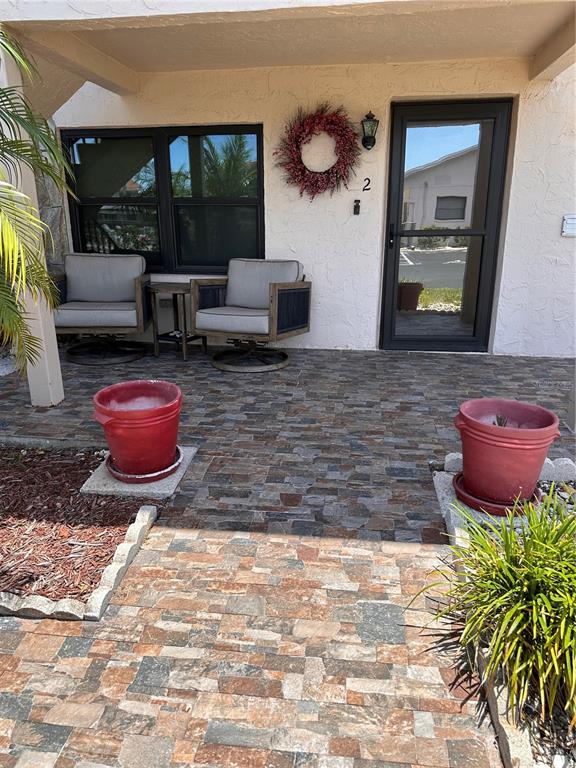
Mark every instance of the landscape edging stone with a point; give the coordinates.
(39, 607)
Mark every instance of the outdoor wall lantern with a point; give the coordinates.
(369, 128)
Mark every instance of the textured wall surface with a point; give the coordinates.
(342, 253)
(536, 313)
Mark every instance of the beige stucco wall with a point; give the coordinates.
(536, 312)
(342, 253)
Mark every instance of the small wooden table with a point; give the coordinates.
(180, 334)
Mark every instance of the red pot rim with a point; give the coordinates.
(107, 391)
(550, 429)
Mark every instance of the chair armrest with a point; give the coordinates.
(59, 281)
(142, 296)
(206, 293)
(290, 308)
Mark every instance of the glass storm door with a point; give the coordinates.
(447, 169)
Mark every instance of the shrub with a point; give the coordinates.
(429, 242)
(511, 599)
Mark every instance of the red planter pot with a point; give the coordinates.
(503, 463)
(140, 420)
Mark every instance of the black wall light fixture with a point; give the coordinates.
(369, 128)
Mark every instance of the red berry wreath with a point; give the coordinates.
(299, 131)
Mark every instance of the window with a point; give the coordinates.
(450, 207)
(187, 199)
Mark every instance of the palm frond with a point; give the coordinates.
(27, 138)
(22, 270)
(12, 47)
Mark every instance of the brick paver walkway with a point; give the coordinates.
(262, 625)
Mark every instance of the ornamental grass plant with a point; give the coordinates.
(511, 605)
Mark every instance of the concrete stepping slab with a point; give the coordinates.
(101, 481)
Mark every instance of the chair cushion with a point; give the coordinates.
(232, 320)
(94, 314)
(249, 280)
(102, 278)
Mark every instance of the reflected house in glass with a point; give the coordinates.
(440, 193)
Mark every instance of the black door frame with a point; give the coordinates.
(500, 111)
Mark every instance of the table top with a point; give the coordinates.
(166, 287)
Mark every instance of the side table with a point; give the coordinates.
(179, 335)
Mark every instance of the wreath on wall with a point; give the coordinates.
(299, 131)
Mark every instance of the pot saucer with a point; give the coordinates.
(152, 477)
(500, 509)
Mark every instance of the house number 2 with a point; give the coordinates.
(366, 186)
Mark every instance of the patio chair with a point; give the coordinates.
(261, 301)
(102, 296)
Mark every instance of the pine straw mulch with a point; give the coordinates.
(55, 541)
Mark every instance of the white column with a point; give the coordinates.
(44, 377)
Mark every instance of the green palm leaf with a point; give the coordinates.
(26, 140)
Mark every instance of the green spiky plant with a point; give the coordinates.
(26, 139)
(510, 604)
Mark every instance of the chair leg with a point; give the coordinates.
(104, 350)
(250, 357)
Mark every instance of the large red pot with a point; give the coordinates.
(503, 463)
(140, 420)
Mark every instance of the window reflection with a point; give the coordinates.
(437, 285)
(114, 167)
(219, 165)
(120, 229)
(440, 174)
(211, 235)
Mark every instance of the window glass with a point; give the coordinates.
(437, 285)
(120, 229)
(211, 235)
(450, 207)
(441, 180)
(188, 199)
(218, 165)
(114, 167)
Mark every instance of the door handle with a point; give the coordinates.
(391, 235)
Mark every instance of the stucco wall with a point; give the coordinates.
(342, 253)
(536, 309)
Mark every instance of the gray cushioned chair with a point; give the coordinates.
(261, 301)
(102, 295)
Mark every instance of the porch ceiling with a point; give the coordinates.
(447, 34)
(325, 34)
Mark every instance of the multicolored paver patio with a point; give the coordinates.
(262, 624)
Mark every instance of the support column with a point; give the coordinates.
(44, 377)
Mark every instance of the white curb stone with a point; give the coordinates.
(38, 607)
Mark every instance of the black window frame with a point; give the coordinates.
(164, 200)
(451, 197)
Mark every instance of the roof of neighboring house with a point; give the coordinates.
(441, 160)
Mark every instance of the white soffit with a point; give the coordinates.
(434, 35)
(262, 33)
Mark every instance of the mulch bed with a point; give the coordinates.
(55, 541)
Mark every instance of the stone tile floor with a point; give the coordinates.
(263, 625)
